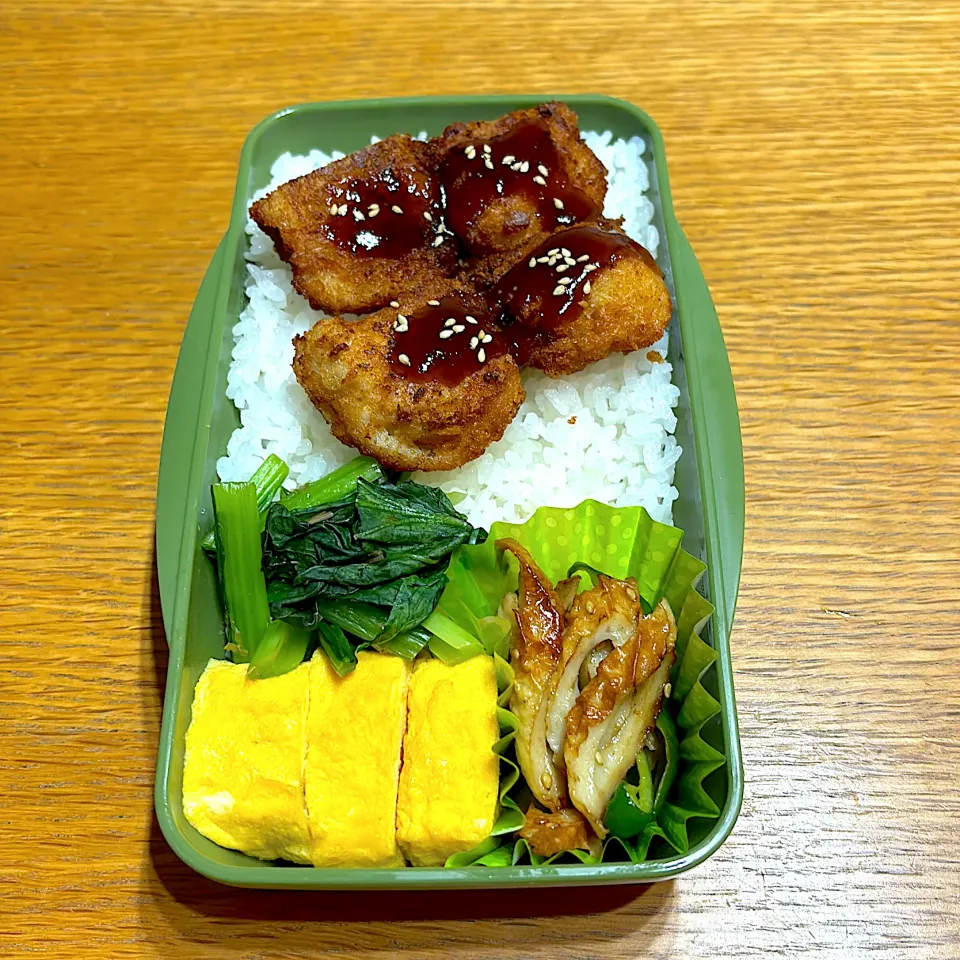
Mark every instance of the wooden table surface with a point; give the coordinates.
(814, 152)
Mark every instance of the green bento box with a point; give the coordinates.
(200, 419)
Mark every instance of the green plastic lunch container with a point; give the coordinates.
(200, 419)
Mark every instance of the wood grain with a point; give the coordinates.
(815, 158)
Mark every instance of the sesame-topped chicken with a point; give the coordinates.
(425, 384)
(505, 215)
(590, 675)
(585, 292)
(363, 230)
(512, 181)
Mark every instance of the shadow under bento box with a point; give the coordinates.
(200, 419)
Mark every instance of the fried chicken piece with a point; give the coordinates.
(427, 385)
(534, 653)
(582, 294)
(614, 712)
(550, 833)
(362, 229)
(512, 181)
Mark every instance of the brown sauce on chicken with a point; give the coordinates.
(547, 289)
(522, 162)
(446, 341)
(381, 216)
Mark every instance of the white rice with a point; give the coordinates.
(605, 433)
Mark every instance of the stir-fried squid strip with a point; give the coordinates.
(550, 833)
(606, 615)
(613, 713)
(534, 653)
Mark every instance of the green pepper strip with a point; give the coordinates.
(633, 808)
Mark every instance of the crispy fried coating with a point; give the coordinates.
(436, 411)
(591, 291)
(499, 200)
(363, 229)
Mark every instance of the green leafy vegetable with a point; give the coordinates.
(267, 479)
(237, 530)
(372, 562)
(337, 647)
(281, 649)
(334, 486)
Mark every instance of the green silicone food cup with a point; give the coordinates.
(200, 420)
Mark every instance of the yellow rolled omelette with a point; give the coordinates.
(243, 763)
(355, 730)
(449, 780)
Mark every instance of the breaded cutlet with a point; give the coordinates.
(361, 230)
(425, 385)
(512, 181)
(582, 294)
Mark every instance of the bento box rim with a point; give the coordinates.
(295, 877)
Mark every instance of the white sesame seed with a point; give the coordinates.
(473, 343)
(428, 216)
(565, 251)
(543, 170)
(486, 148)
(333, 209)
(394, 303)
(438, 240)
(396, 209)
(342, 210)
(458, 328)
(358, 215)
(487, 163)
(586, 287)
(470, 150)
(543, 259)
(590, 267)
(401, 325)
(525, 167)
(533, 262)
(516, 167)
(433, 303)
(553, 252)
(486, 338)
(509, 158)
(540, 180)
(558, 203)
(563, 281)
(404, 359)
(569, 261)
(446, 334)
(559, 291)
(470, 319)
(562, 267)
(449, 322)
(583, 258)
(481, 355)
(401, 318)
(481, 334)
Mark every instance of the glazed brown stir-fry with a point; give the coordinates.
(507, 215)
(590, 672)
